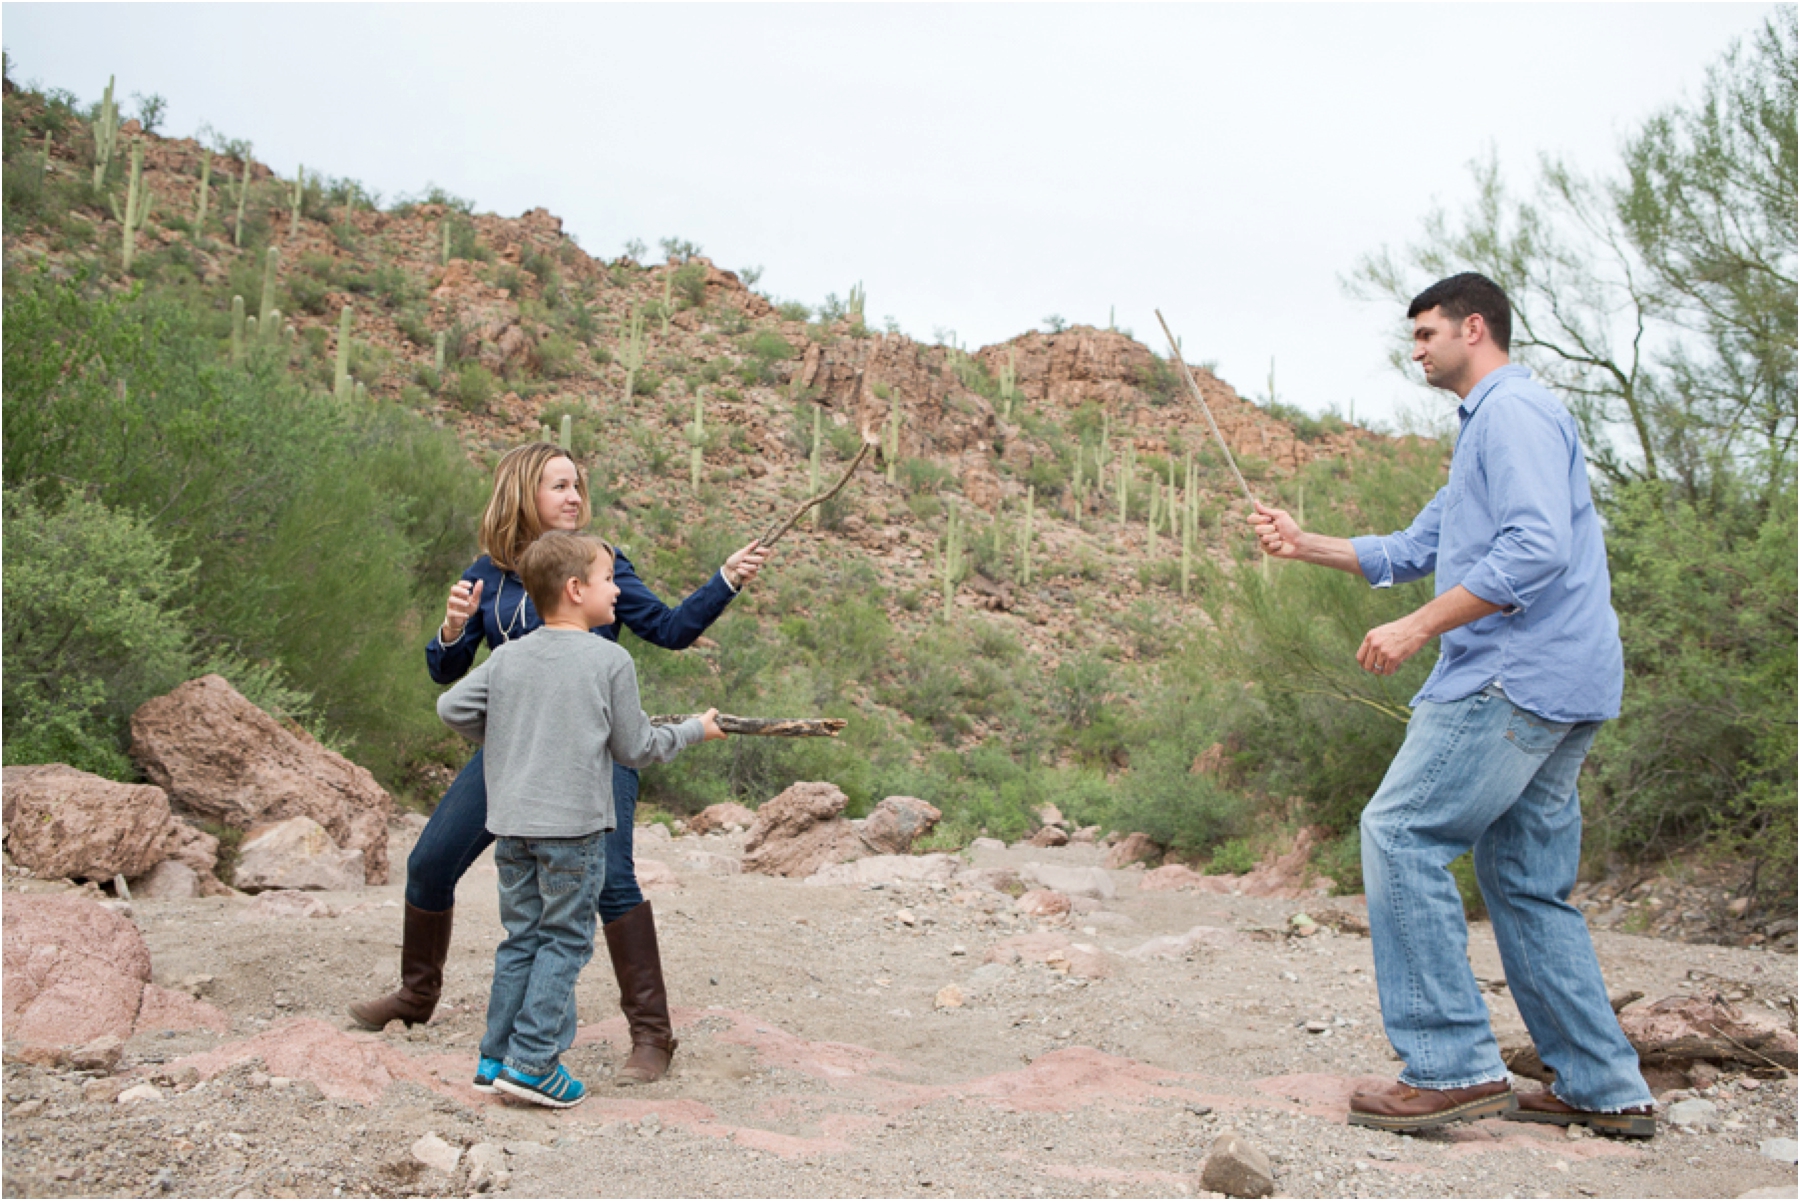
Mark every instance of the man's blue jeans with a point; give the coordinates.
(548, 888)
(1483, 773)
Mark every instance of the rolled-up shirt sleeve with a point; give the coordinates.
(1528, 494)
(1402, 557)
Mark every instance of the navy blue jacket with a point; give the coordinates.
(506, 613)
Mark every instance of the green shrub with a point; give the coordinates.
(94, 628)
(1233, 857)
(475, 387)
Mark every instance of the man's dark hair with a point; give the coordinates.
(1461, 295)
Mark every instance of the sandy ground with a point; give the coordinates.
(814, 1060)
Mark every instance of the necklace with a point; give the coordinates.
(518, 621)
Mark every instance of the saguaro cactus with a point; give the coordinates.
(631, 348)
(438, 357)
(696, 436)
(565, 436)
(950, 563)
(271, 265)
(1009, 381)
(668, 303)
(237, 330)
(299, 195)
(205, 187)
(444, 254)
(858, 297)
(137, 206)
(106, 134)
(346, 319)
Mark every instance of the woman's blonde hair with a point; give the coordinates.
(510, 523)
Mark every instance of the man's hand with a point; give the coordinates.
(1278, 532)
(1385, 648)
(743, 565)
(709, 722)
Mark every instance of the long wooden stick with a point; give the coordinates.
(776, 531)
(1175, 351)
(765, 727)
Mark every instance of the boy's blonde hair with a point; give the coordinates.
(510, 523)
(552, 561)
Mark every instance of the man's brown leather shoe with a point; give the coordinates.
(1546, 1106)
(1404, 1109)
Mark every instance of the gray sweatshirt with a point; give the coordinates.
(554, 711)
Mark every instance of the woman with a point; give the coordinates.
(538, 487)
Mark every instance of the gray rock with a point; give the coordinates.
(436, 1154)
(296, 854)
(1236, 1168)
(1782, 1150)
(1693, 1113)
(1093, 882)
(487, 1164)
(101, 1055)
(170, 880)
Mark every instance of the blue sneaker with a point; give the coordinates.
(557, 1089)
(485, 1071)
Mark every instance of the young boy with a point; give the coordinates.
(553, 712)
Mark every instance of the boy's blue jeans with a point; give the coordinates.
(548, 889)
(1483, 773)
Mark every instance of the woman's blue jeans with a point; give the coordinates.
(457, 834)
(1483, 773)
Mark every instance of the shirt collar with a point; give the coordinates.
(1488, 383)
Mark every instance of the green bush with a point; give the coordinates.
(94, 628)
(475, 387)
(321, 537)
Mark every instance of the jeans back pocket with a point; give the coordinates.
(1533, 734)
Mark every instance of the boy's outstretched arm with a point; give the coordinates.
(464, 708)
(633, 741)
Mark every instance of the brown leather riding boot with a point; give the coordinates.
(631, 941)
(423, 948)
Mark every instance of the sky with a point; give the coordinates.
(976, 168)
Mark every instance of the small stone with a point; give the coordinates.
(101, 1055)
(1693, 1113)
(1749, 1083)
(905, 918)
(1236, 1168)
(260, 1080)
(949, 997)
(1315, 1026)
(436, 1154)
(959, 949)
(104, 1091)
(140, 1092)
(1381, 1153)
(394, 1029)
(1781, 1150)
(27, 1108)
(1199, 1111)
(1290, 977)
(487, 1164)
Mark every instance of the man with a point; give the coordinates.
(1530, 665)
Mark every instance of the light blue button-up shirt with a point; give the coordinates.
(1516, 526)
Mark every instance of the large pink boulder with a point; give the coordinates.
(219, 756)
(896, 823)
(800, 831)
(1290, 876)
(66, 823)
(74, 970)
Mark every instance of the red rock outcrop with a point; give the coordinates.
(800, 831)
(62, 822)
(219, 756)
(896, 823)
(1133, 848)
(721, 816)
